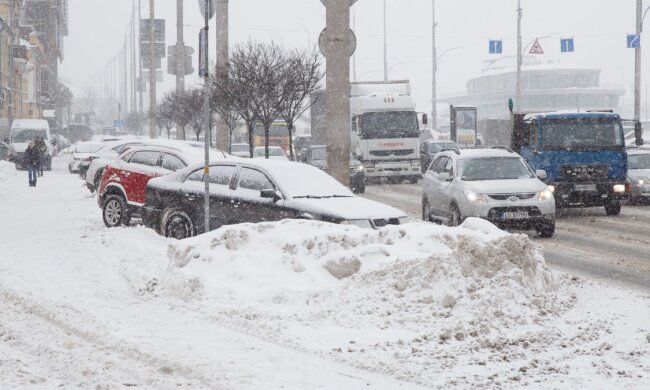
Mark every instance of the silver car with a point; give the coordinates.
(638, 171)
(492, 184)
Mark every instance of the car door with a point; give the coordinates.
(433, 186)
(142, 166)
(171, 162)
(251, 206)
(189, 198)
(223, 206)
(445, 188)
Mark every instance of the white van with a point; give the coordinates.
(24, 131)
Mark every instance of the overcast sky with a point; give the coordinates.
(97, 29)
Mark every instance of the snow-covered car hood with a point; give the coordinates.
(347, 208)
(636, 173)
(505, 186)
(82, 156)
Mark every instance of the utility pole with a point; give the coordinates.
(125, 78)
(385, 54)
(354, 56)
(180, 59)
(434, 92)
(638, 130)
(223, 134)
(519, 58)
(152, 71)
(140, 80)
(338, 89)
(134, 90)
(205, 72)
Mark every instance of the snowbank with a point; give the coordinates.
(395, 293)
(7, 171)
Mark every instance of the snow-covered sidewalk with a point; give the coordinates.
(262, 306)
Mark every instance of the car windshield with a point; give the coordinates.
(493, 168)
(306, 181)
(392, 124)
(273, 152)
(438, 146)
(28, 135)
(239, 148)
(638, 161)
(88, 147)
(582, 134)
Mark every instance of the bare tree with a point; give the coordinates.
(180, 110)
(164, 115)
(193, 103)
(302, 77)
(134, 121)
(223, 100)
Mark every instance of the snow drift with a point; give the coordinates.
(7, 170)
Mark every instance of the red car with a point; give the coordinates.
(122, 187)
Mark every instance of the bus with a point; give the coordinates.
(278, 135)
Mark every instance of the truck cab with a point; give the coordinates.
(582, 153)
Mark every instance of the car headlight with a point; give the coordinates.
(474, 197)
(642, 180)
(551, 188)
(619, 188)
(362, 223)
(547, 194)
(359, 168)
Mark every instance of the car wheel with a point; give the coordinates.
(115, 211)
(177, 224)
(613, 208)
(426, 211)
(456, 217)
(546, 230)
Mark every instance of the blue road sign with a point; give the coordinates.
(496, 46)
(566, 45)
(633, 41)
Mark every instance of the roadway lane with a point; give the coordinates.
(586, 241)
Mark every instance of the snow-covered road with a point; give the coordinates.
(95, 308)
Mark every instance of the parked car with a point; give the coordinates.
(240, 150)
(82, 151)
(429, 148)
(257, 190)
(122, 188)
(316, 155)
(638, 172)
(300, 145)
(275, 153)
(494, 184)
(24, 131)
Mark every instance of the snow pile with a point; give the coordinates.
(7, 171)
(399, 290)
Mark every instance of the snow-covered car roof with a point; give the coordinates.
(477, 153)
(190, 154)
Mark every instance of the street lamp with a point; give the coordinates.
(434, 94)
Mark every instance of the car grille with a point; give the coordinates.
(381, 222)
(386, 153)
(508, 196)
(583, 172)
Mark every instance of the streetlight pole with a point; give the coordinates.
(519, 58)
(222, 137)
(638, 130)
(385, 54)
(434, 92)
(152, 71)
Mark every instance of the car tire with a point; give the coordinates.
(426, 211)
(546, 230)
(115, 211)
(177, 224)
(613, 208)
(456, 217)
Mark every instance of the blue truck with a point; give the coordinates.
(582, 153)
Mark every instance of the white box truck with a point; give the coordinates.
(385, 129)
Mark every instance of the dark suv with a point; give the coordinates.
(316, 155)
(429, 148)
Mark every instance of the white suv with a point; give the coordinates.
(492, 184)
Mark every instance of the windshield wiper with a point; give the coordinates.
(308, 197)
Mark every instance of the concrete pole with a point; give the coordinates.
(354, 56)
(152, 71)
(125, 78)
(223, 133)
(385, 54)
(180, 59)
(134, 90)
(140, 81)
(434, 92)
(637, 65)
(338, 90)
(206, 123)
(519, 58)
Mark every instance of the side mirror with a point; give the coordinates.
(270, 194)
(541, 174)
(425, 119)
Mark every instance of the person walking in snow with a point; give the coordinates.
(31, 162)
(42, 151)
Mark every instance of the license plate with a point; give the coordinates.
(585, 187)
(515, 215)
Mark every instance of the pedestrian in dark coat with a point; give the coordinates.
(30, 162)
(42, 151)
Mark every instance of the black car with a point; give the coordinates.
(316, 155)
(429, 148)
(256, 191)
